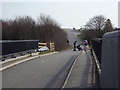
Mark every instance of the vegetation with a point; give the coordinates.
(44, 52)
(96, 27)
(96, 23)
(69, 47)
(80, 36)
(45, 29)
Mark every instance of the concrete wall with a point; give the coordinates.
(110, 63)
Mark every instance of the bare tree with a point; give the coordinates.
(47, 20)
(96, 27)
(96, 23)
(25, 28)
(49, 31)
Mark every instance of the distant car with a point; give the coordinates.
(43, 49)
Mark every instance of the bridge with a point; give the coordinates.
(95, 68)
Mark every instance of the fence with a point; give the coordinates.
(50, 45)
(11, 47)
(107, 51)
(96, 55)
(40, 45)
(97, 47)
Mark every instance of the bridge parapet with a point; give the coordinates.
(110, 68)
(15, 47)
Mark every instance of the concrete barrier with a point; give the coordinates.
(110, 63)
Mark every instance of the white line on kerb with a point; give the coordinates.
(70, 72)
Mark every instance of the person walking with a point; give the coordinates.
(74, 46)
(67, 41)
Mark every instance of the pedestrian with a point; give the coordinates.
(85, 45)
(67, 41)
(74, 46)
(79, 47)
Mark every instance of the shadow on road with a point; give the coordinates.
(54, 83)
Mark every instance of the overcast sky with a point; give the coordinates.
(72, 13)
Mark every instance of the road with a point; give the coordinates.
(72, 36)
(45, 72)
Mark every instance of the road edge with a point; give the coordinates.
(69, 72)
(25, 60)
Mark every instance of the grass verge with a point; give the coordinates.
(69, 47)
(44, 52)
(80, 36)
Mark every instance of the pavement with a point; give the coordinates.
(83, 74)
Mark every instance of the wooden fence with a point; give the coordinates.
(40, 45)
(50, 45)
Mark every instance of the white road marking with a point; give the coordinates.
(70, 72)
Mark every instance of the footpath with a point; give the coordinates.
(83, 73)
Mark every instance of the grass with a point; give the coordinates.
(30, 55)
(69, 47)
(79, 31)
(44, 52)
(80, 36)
(90, 47)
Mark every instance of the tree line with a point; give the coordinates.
(44, 29)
